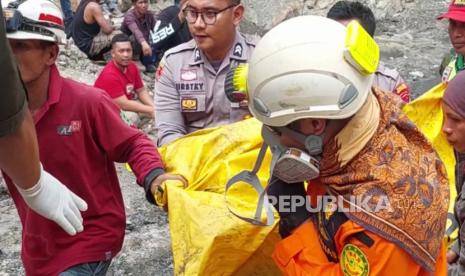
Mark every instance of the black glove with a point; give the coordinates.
(290, 216)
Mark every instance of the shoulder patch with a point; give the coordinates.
(186, 46)
(353, 261)
(238, 50)
(159, 71)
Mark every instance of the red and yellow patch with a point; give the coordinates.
(159, 72)
(403, 91)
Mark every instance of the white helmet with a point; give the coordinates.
(300, 69)
(37, 19)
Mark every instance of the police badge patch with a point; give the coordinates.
(189, 104)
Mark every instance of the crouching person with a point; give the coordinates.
(122, 81)
(327, 125)
(91, 31)
(80, 136)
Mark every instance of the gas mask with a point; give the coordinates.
(293, 165)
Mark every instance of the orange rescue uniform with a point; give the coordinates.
(302, 254)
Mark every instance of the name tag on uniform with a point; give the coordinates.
(190, 87)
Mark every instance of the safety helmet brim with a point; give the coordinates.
(22, 35)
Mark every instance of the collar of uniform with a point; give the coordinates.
(54, 92)
(238, 51)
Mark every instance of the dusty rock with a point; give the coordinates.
(417, 74)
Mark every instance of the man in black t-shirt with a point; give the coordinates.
(170, 29)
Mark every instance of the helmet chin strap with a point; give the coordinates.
(314, 146)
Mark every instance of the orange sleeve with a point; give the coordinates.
(301, 254)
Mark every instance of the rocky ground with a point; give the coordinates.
(411, 40)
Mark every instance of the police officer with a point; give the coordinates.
(189, 88)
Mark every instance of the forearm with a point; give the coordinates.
(143, 157)
(107, 28)
(132, 26)
(135, 106)
(145, 98)
(19, 155)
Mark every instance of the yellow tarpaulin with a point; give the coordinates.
(206, 238)
(426, 113)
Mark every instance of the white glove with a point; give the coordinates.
(53, 200)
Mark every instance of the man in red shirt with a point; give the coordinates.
(80, 136)
(121, 80)
(19, 152)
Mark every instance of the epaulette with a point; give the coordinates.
(387, 72)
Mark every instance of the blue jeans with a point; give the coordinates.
(137, 51)
(67, 9)
(88, 269)
(148, 60)
(68, 13)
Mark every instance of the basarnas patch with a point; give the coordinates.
(354, 262)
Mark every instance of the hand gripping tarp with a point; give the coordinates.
(207, 239)
(426, 113)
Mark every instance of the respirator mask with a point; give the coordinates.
(293, 165)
